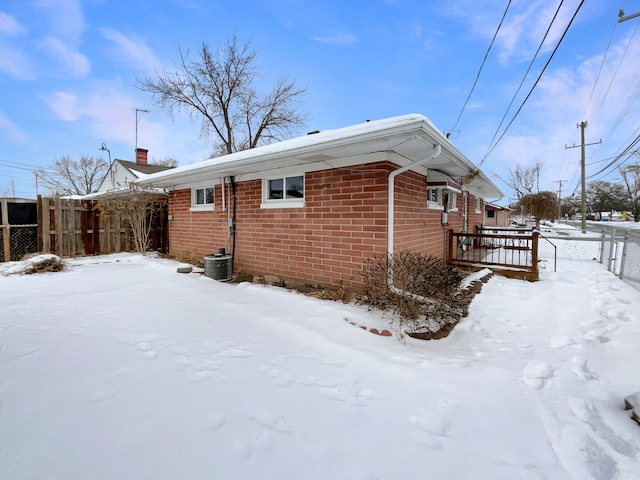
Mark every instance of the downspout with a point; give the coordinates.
(390, 219)
(232, 223)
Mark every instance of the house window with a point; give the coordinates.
(491, 213)
(451, 201)
(478, 205)
(283, 192)
(202, 198)
(434, 197)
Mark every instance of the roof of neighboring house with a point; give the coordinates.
(145, 169)
(137, 170)
(403, 140)
(493, 206)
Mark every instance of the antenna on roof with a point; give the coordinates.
(141, 111)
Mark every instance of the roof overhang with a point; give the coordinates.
(402, 140)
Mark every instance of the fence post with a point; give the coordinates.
(450, 248)
(6, 230)
(624, 252)
(45, 224)
(611, 263)
(534, 253)
(602, 247)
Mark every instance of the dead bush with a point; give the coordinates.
(427, 301)
(336, 293)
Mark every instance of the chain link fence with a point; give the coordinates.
(618, 249)
(23, 239)
(18, 228)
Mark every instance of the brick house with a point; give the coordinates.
(312, 209)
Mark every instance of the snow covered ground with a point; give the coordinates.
(121, 368)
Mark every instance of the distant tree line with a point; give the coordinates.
(601, 196)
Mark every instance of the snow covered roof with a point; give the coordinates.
(403, 140)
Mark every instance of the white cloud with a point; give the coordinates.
(337, 38)
(65, 17)
(77, 63)
(65, 105)
(9, 129)
(9, 26)
(523, 27)
(15, 62)
(132, 51)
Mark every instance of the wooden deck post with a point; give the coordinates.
(534, 253)
(449, 253)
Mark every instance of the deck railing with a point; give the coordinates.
(515, 253)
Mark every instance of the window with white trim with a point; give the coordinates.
(434, 197)
(202, 198)
(437, 196)
(452, 199)
(478, 205)
(283, 192)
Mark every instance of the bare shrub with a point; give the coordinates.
(427, 300)
(336, 293)
(136, 206)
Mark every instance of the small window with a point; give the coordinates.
(202, 198)
(491, 213)
(452, 199)
(283, 192)
(434, 197)
(478, 210)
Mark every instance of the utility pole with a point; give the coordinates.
(559, 182)
(622, 18)
(583, 215)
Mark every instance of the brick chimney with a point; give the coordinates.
(141, 156)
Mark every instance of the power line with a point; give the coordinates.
(534, 85)
(535, 56)
(486, 55)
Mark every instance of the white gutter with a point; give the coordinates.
(390, 220)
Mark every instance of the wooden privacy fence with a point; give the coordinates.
(74, 227)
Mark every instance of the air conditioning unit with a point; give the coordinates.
(219, 267)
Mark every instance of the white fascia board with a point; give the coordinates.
(296, 147)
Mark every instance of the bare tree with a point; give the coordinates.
(70, 177)
(524, 180)
(6, 192)
(631, 178)
(218, 88)
(542, 205)
(136, 206)
(165, 162)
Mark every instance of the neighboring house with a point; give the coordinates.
(123, 172)
(312, 209)
(496, 216)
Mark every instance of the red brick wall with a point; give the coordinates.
(342, 224)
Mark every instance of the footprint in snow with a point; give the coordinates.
(561, 342)
(103, 396)
(431, 424)
(272, 422)
(537, 374)
(580, 369)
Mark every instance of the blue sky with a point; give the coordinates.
(68, 70)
